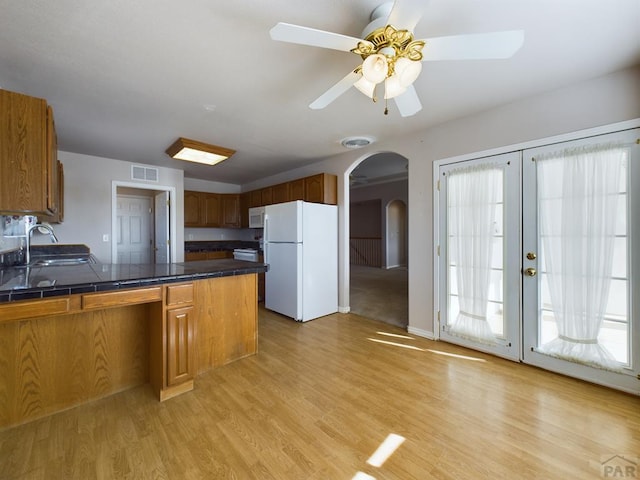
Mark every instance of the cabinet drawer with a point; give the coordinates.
(177, 294)
(119, 298)
(28, 309)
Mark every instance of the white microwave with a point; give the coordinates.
(256, 217)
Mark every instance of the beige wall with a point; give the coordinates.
(597, 102)
(87, 200)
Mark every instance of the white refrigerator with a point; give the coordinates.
(301, 248)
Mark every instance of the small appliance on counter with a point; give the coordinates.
(246, 254)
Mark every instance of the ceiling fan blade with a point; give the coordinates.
(334, 92)
(474, 46)
(406, 14)
(286, 32)
(408, 103)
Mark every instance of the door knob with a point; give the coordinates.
(530, 272)
(531, 256)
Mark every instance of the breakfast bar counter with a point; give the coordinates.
(72, 334)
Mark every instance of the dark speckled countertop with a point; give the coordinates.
(24, 283)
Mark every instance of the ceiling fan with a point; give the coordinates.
(391, 56)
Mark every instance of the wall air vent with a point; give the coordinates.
(138, 172)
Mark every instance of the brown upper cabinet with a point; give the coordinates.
(212, 210)
(57, 217)
(266, 194)
(280, 193)
(232, 210)
(230, 215)
(296, 190)
(28, 156)
(321, 188)
(192, 209)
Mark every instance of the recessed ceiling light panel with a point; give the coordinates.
(357, 142)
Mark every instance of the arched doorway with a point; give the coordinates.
(377, 226)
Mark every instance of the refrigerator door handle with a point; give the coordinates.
(265, 240)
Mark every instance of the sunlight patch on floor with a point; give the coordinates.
(395, 335)
(455, 355)
(395, 344)
(385, 450)
(381, 455)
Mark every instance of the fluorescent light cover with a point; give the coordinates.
(193, 151)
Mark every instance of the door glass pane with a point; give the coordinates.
(475, 225)
(583, 255)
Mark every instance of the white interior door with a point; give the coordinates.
(162, 248)
(479, 249)
(581, 252)
(134, 216)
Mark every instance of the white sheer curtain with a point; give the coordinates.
(473, 193)
(578, 191)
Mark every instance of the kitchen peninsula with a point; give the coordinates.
(71, 334)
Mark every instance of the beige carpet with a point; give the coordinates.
(380, 294)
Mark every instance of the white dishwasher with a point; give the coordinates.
(246, 254)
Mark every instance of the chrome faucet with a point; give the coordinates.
(30, 229)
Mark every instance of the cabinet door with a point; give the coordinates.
(57, 217)
(244, 210)
(191, 209)
(281, 193)
(231, 210)
(25, 155)
(255, 198)
(321, 188)
(211, 209)
(266, 194)
(52, 164)
(296, 190)
(180, 345)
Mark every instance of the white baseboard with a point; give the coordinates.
(419, 332)
(344, 309)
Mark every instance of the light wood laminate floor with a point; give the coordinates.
(318, 400)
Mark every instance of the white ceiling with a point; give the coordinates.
(126, 78)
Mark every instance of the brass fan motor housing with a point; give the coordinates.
(388, 36)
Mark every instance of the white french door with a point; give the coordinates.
(580, 248)
(479, 254)
(539, 257)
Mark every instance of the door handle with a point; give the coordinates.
(530, 272)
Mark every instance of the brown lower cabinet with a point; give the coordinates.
(180, 354)
(163, 335)
(193, 256)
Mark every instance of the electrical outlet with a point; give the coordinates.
(105, 237)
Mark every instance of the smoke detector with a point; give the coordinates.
(356, 142)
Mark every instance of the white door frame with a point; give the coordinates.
(627, 124)
(144, 186)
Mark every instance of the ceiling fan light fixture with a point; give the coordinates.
(393, 87)
(407, 70)
(199, 152)
(375, 68)
(365, 86)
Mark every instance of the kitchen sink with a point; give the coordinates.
(60, 261)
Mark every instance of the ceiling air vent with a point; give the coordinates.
(148, 174)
